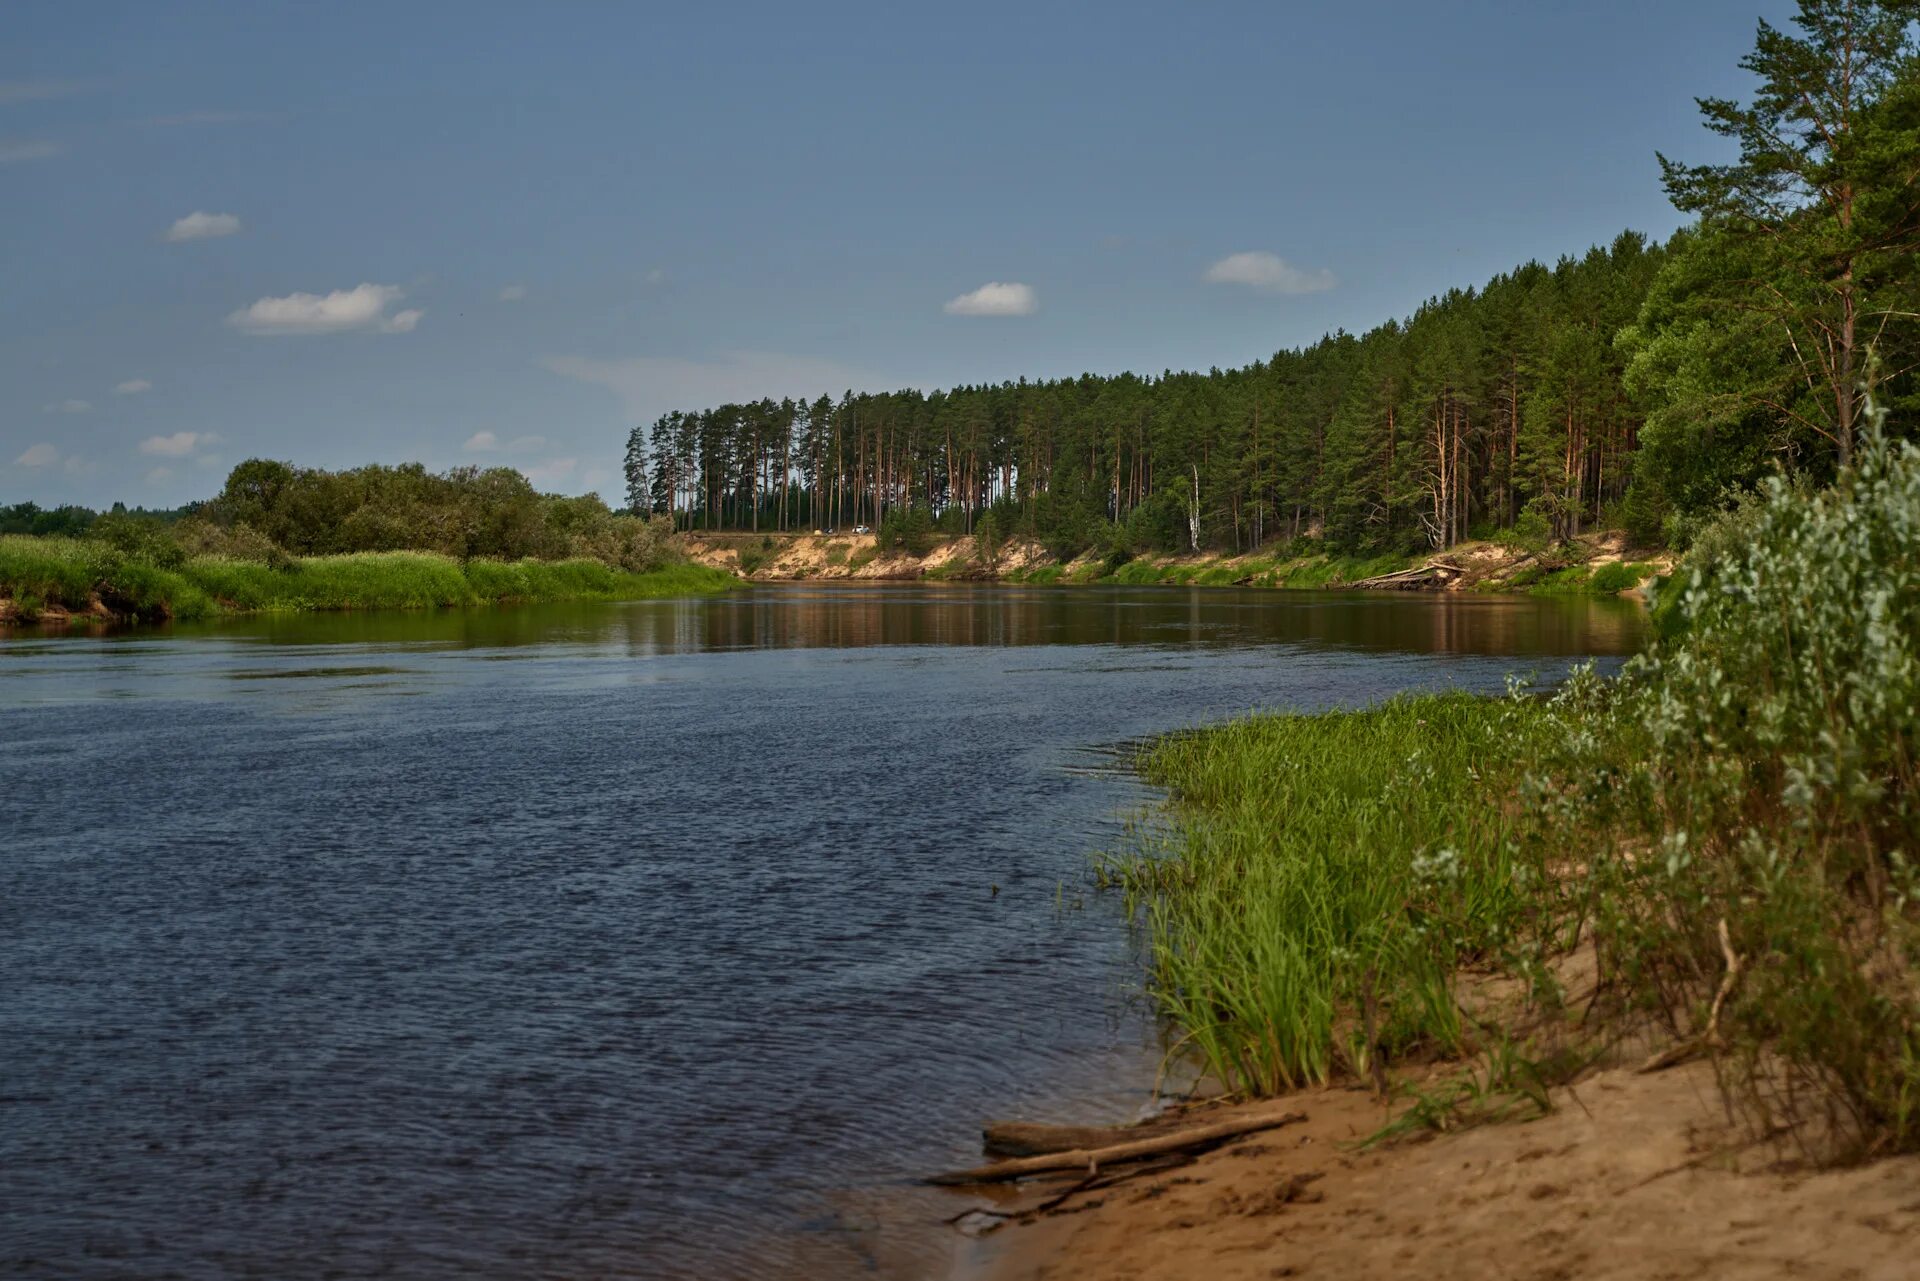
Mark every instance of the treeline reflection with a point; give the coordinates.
(832, 617)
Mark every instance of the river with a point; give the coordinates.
(663, 939)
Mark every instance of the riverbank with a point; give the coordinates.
(1600, 563)
(1631, 1176)
(61, 581)
(1617, 982)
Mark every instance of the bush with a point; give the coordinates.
(1617, 577)
(1532, 532)
(1757, 774)
(906, 529)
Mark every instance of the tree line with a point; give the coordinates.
(1639, 384)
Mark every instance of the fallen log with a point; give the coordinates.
(1091, 1159)
(1434, 572)
(1029, 1138)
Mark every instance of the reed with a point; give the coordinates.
(1324, 877)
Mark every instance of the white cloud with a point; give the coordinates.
(133, 387)
(69, 407)
(362, 307)
(649, 386)
(202, 226)
(28, 149)
(178, 445)
(552, 471)
(487, 442)
(159, 475)
(1269, 272)
(996, 299)
(656, 277)
(513, 293)
(40, 455)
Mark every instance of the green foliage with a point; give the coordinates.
(70, 572)
(1617, 577)
(464, 513)
(1532, 532)
(60, 522)
(1325, 867)
(1584, 580)
(1748, 789)
(908, 530)
(1757, 769)
(1752, 343)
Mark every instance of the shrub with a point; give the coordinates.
(1532, 532)
(1756, 774)
(1617, 577)
(908, 529)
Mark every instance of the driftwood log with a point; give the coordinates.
(1029, 1138)
(1433, 574)
(1090, 1160)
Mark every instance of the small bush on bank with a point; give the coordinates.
(1758, 770)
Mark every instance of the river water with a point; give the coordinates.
(663, 939)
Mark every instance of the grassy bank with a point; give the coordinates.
(1328, 869)
(1312, 570)
(42, 575)
(1729, 826)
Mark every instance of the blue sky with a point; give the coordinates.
(342, 233)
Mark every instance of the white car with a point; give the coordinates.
(863, 529)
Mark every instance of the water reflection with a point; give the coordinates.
(854, 617)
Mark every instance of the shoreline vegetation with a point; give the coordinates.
(1601, 563)
(1692, 881)
(282, 538)
(54, 581)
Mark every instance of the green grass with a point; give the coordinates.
(1035, 575)
(1325, 871)
(67, 572)
(1584, 580)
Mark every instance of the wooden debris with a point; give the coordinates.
(1091, 1159)
(1029, 1138)
(1433, 575)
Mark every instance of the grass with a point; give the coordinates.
(1731, 825)
(1585, 580)
(1309, 572)
(69, 572)
(1327, 872)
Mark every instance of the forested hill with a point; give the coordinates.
(1638, 384)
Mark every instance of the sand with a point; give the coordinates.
(1630, 1176)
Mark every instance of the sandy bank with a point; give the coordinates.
(1479, 565)
(1631, 1176)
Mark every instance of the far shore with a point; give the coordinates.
(1599, 563)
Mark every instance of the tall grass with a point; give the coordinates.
(71, 572)
(1327, 876)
